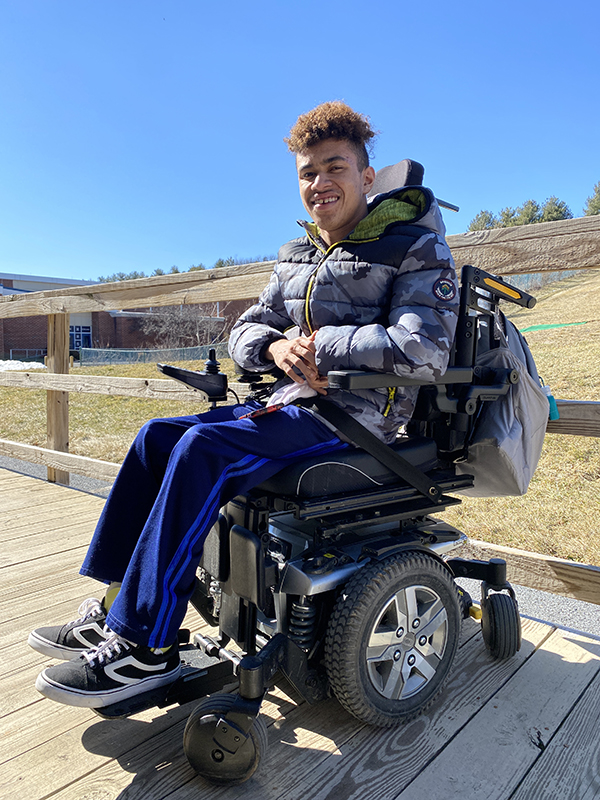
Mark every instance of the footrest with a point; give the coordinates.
(200, 675)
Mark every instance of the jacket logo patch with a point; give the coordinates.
(444, 289)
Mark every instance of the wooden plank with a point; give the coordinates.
(45, 509)
(57, 402)
(537, 571)
(141, 388)
(40, 549)
(38, 501)
(544, 247)
(568, 766)
(49, 522)
(21, 551)
(512, 729)
(81, 465)
(22, 596)
(23, 528)
(223, 284)
(577, 418)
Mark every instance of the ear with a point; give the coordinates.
(368, 180)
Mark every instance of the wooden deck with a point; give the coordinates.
(523, 729)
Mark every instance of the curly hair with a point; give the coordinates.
(332, 120)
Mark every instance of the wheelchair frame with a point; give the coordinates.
(352, 594)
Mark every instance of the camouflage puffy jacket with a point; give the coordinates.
(384, 299)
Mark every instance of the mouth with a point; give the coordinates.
(319, 202)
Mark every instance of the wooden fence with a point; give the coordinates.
(546, 247)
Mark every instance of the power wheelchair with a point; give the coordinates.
(335, 575)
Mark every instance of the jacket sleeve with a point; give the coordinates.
(261, 324)
(417, 336)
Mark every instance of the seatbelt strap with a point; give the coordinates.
(366, 440)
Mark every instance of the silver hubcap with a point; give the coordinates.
(407, 642)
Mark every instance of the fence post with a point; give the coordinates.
(57, 403)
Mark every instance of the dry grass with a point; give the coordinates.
(100, 426)
(558, 516)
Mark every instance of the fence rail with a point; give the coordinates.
(546, 247)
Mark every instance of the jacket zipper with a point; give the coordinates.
(313, 276)
(391, 397)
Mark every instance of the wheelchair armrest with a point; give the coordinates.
(355, 379)
(212, 384)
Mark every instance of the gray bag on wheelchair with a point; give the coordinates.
(507, 438)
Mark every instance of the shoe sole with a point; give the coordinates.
(72, 697)
(53, 650)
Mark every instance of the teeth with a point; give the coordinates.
(327, 200)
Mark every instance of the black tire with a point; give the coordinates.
(206, 758)
(501, 625)
(392, 637)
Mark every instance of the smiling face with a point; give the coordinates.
(333, 187)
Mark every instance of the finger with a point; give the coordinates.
(294, 365)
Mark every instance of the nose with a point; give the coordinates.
(321, 182)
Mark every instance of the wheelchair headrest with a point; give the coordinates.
(404, 173)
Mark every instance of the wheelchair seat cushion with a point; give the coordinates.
(350, 470)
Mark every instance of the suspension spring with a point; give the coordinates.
(215, 593)
(302, 627)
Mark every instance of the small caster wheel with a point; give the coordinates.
(466, 601)
(501, 625)
(205, 755)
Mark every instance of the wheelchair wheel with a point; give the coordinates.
(392, 637)
(501, 625)
(207, 758)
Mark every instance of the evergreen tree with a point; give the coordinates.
(224, 262)
(592, 204)
(529, 213)
(554, 209)
(121, 276)
(507, 217)
(483, 222)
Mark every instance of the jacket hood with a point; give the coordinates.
(412, 205)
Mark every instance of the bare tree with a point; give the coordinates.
(186, 325)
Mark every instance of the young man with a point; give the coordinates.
(370, 285)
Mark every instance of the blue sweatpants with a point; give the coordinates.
(175, 478)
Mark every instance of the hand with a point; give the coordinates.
(295, 356)
(320, 384)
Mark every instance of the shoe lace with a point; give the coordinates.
(89, 608)
(108, 650)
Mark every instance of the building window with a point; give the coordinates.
(80, 336)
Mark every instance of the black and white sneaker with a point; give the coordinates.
(68, 641)
(111, 672)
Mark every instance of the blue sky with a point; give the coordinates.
(137, 134)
